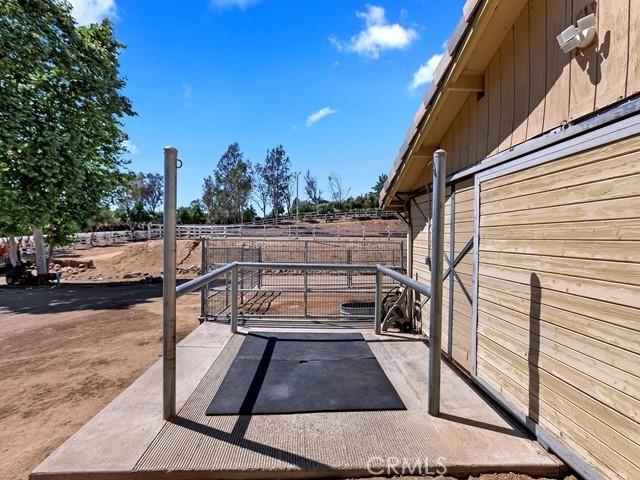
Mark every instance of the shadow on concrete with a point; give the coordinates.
(515, 432)
(236, 437)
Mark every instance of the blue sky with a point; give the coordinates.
(205, 73)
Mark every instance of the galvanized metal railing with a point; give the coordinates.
(171, 293)
(266, 292)
(379, 270)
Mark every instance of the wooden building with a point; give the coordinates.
(542, 306)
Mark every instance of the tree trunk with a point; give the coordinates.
(42, 266)
(14, 258)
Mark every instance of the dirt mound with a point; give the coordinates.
(138, 260)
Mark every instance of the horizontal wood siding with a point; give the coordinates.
(559, 300)
(532, 87)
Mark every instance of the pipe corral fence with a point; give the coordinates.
(288, 294)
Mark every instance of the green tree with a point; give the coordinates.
(151, 186)
(379, 185)
(61, 114)
(276, 173)
(227, 191)
(192, 214)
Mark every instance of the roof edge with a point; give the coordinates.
(469, 12)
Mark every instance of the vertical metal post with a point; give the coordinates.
(437, 252)
(169, 285)
(410, 292)
(234, 300)
(306, 280)
(378, 313)
(204, 291)
(259, 270)
(297, 174)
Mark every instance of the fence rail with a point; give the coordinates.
(376, 280)
(304, 217)
(271, 293)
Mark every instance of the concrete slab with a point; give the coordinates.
(128, 439)
(115, 439)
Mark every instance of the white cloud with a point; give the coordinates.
(92, 11)
(131, 147)
(424, 75)
(378, 35)
(319, 115)
(241, 4)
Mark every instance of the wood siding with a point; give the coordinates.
(532, 87)
(559, 300)
(456, 301)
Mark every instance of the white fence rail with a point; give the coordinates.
(306, 217)
(196, 232)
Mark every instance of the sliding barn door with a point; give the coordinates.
(558, 309)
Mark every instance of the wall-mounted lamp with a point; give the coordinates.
(580, 36)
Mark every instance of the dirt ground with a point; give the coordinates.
(113, 263)
(65, 353)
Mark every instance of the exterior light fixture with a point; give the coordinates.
(580, 36)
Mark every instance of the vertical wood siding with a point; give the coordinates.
(456, 301)
(532, 87)
(559, 300)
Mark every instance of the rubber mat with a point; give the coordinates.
(278, 373)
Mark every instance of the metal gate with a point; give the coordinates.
(290, 295)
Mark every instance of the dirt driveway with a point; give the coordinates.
(65, 353)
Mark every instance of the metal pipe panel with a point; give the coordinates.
(234, 300)
(202, 280)
(404, 280)
(378, 312)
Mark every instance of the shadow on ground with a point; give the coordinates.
(76, 296)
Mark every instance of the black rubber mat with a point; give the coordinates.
(276, 373)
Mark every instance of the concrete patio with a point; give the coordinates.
(129, 439)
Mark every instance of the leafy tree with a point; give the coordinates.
(338, 191)
(230, 186)
(61, 113)
(151, 187)
(311, 188)
(138, 200)
(276, 174)
(249, 214)
(379, 185)
(210, 200)
(192, 214)
(306, 207)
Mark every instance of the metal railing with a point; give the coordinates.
(379, 271)
(171, 293)
(269, 292)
